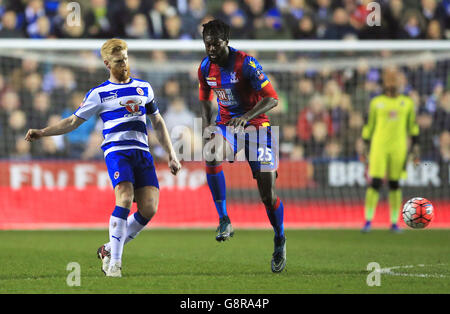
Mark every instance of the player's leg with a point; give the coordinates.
(395, 202)
(146, 193)
(377, 171)
(396, 167)
(124, 193)
(371, 202)
(147, 199)
(215, 153)
(122, 178)
(275, 213)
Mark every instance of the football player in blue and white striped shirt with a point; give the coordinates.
(123, 103)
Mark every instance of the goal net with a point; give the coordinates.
(324, 90)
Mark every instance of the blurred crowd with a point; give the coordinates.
(320, 112)
(249, 19)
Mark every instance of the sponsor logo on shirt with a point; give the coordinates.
(113, 95)
(132, 106)
(211, 81)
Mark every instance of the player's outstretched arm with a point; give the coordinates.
(62, 127)
(164, 139)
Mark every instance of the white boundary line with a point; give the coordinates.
(389, 271)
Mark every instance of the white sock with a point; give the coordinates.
(117, 233)
(135, 224)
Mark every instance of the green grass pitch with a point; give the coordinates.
(191, 261)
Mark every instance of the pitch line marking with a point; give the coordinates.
(388, 271)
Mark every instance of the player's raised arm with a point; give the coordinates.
(164, 139)
(62, 127)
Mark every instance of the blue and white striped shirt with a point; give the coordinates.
(122, 107)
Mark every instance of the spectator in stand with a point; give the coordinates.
(158, 14)
(9, 26)
(234, 16)
(323, 13)
(59, 19)
(173, 28)
(138, 28)
(41, 110)
(444, 7)
(333, 149)
(180, 124)
(340, 26)
(300, 95)
(412, 25)
(315, 112)
(444, 146)
(21, 151)
(33, 11)
(338, 104)
(62, 87)
(442, 114)
(171, 90)
(425, 77)
(255, 11)
(50, 147)
(90, 72)
(434, 31)
(97, 20)
(126, 17)
(196, 10)
(272, 26)
(43, 29)
(77, 140)
(358, 13)
(392, 14)
(315, 146)
(29, 65)
(431, 11)
(426, 135)
(305, 29)
(32, 85)
(351, 135)
(15, 128)
(294, 12)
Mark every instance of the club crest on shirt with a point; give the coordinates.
(116, 175)
(233, 78)
(132, 106)
(140, 91)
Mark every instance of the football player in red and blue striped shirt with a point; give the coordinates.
(244, 95)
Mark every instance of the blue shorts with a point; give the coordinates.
(261, 149)
(133, 165)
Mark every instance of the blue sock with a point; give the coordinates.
(216, 183)
(276, 216)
